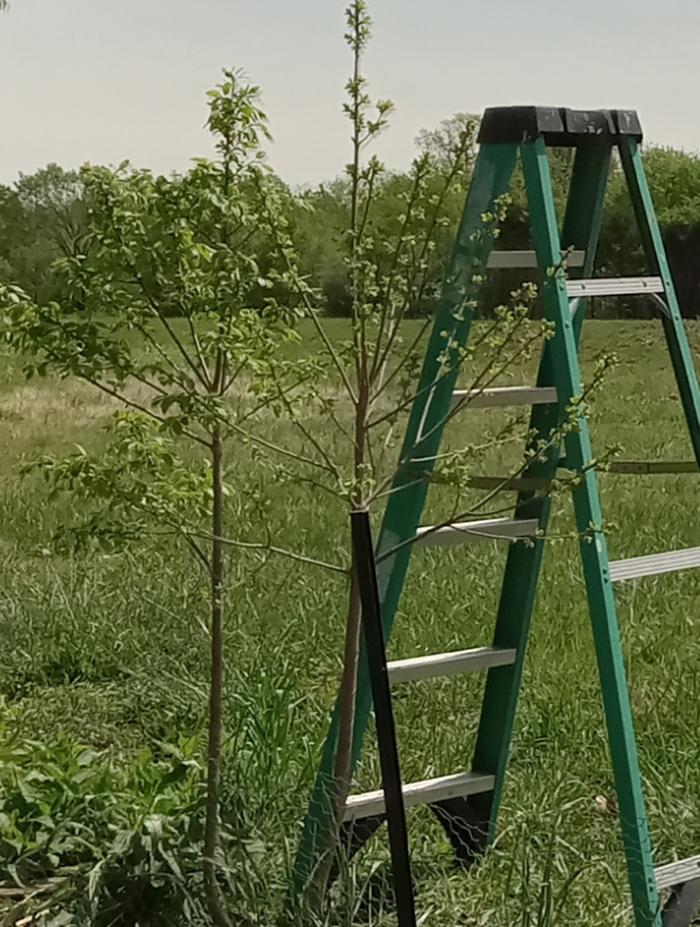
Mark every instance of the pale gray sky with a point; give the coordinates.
(104, 80)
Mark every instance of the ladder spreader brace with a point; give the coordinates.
(467, 803)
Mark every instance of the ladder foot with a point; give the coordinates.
(465, 827)
(353, 836)
(683, 906)
(464, 819)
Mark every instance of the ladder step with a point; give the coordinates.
(488, 529)
(653, 564)
(447, 664)
(368, 804)
(509, 483)
(504, 396)
(685, 870)
(614, 286)
(504, 259)
(652, 467)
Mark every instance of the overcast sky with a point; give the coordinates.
(105, 80)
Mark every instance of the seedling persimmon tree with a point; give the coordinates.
(173, 313)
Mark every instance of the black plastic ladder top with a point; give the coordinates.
(512, 125)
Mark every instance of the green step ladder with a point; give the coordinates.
(467, 803)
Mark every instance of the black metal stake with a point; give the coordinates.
(363, 550)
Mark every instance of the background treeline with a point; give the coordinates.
(42, 218)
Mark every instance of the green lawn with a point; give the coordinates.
(110, 651)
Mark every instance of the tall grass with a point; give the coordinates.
(109, 652)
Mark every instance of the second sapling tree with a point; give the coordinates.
(368, 381)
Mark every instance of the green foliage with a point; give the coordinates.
(178, 298)
(139, 486)
(42, 219)
(156, 248)
(107, 842)
(674, 181)
(430, 196)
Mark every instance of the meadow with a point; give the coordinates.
(104, 672)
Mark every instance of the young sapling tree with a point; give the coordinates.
(174, 313)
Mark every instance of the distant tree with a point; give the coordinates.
(440, 143)
(42, 219)
(54, 199)
(674, 183)
(12, 232)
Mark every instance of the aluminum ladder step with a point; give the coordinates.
(614, 286)
(369, 804)
(653, 564)
(510, 259)
(671, 874)
(504, 396)
(488, 529)
(448, 664)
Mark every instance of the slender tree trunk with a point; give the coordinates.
(351, 660)
(346, 727)
(211, 829)
(348, 691)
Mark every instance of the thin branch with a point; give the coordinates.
(269, 445)
(504, 366)
(197, 551)
(155, 309)
(339, 425)
(392, 273)
(241, 418)
(421, 257)
(405, 359)
(361, 349)
(198, 347)
(281, 551)
(301, 292)
(136, 405)
(163, 354)
(284, 398)
(555, 437)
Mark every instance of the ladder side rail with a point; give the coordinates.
(581, 230)
(674, 329)
(684, 902)
(594, 556)
(491, 179)
(584, 213)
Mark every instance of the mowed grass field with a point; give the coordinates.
(111, 651)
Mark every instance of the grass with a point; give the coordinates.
(111, 652)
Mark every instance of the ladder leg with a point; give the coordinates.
(581, 231)
(594, 556)
(584, 211)
(676, 337)
(492, 174)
